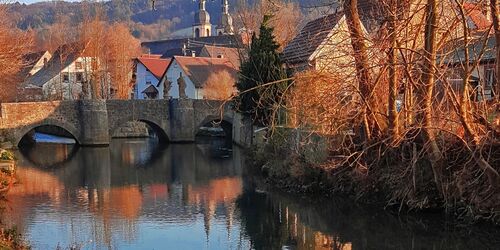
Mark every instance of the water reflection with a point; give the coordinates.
(139, 195)
(134, 193)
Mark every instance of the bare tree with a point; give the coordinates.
(13, 45)
(220, 86)
(495, 12)
(121, 48)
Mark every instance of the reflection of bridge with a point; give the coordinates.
(93, 122)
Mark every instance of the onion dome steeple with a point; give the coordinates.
(225, 26)
(201, 25)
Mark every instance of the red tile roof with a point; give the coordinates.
(154, 64)
(199, 69)
(476, 15)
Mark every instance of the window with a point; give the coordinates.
(79, 77)
(208, 32)
(489, 75)
(65, 77)
(78, 65)
(197, 33)
(148, 80)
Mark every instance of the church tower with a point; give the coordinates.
(202, 26)
(225, 26)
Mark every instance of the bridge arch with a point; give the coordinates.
(47, 122)
(160, 131)
(226, 124)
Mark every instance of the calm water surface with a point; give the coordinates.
(138, 195)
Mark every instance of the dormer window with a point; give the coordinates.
(78, 65)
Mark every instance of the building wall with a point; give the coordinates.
(173, 73)
(72, 88)
(335, 54)
(143, 76)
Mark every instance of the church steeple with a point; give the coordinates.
(225, 26)
(202, 26)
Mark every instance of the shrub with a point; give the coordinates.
(7, 156)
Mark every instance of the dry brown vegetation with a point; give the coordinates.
(399, 126)
(13, 44)
(220, 86)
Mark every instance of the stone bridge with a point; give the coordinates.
(92, 122)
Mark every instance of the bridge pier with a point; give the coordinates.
(94, 123)
(182, 124)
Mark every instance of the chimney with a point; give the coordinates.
(193, 53)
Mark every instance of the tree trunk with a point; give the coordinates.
(393, 81)
(465, 108)
(362, 66)
(495, 5)
(427, 90)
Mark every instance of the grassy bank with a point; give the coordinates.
(397, 178)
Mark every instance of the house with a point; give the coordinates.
(195, 72)
(483, 77)
(149, 70)
(232, 54)
(64, 74)
(322, 45)
(35, 62)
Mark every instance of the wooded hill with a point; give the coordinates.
(176, 14)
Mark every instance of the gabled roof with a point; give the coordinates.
(232, 54)
(34, 57)
(154, 64)
(150, 90)
(310, 38)
(64, 56)
(199, 69)
(31, 59)
(182, 52)
(162, 46)
(455, 53)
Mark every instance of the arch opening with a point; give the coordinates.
(214, 137)
(215, 128)
(141, 129)
(47, 133)
(48, 146)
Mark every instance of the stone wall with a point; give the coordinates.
(92, 122)
(132, 130)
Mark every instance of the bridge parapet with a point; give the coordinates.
(92, 122)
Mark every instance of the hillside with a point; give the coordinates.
(178, 13)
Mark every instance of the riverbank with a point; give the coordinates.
(388, 177)
(9, 238)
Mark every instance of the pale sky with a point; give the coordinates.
(34, 1)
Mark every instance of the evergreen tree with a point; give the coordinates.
(261, 84)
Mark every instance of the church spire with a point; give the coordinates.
(225, 26)
(202, 26)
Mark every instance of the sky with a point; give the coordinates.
(35, 1)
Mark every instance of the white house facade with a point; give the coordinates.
(195, 72)
(149, 70)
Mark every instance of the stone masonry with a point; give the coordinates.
(93, 122)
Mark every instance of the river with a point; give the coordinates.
(137, 194)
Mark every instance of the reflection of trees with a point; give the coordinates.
(275, 220)
(103, 189)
